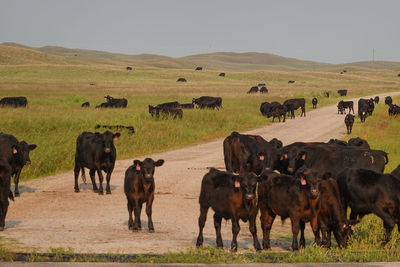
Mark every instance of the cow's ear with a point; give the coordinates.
(137, 164)
(116, 136)
(159, 163)
(32, 147)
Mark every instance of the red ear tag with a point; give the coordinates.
(237, 184)
(138, 168)
(302, 180)
(303, 157)
(15, 151)
(261, 157)
(285, 156)
(352, 227)
(115, 138)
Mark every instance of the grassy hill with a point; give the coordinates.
(12, 53)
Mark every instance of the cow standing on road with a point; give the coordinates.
(349, 121)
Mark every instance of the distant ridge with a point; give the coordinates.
(13, 53)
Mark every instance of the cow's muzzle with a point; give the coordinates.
(250, 196)
(291, 170)
(107, 150)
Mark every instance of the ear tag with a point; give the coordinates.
(261, 157)
(302, 180)
(15, 151)
(115, 138)
(303, 157)
(237, 184)
(138, 168)
(352, 227)
(285, 156)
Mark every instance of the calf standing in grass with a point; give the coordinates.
(349, 121)
(231, 197)
(139, 188)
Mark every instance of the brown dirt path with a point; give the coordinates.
(50, 214)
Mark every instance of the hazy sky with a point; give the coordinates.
(336, 31)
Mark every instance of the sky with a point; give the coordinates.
(339, 31)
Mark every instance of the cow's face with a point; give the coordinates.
(296, 158)
(309, 179)
(21, 152)
(147, 167)
(247, 182)
(108, 139)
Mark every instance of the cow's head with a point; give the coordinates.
(107, 139)
(147, 167)
(247, 183)
(344, 232)
(21, 151)
(310, 180)
(296, 158)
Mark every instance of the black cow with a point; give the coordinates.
(208, 102)
(128, 68)
(365, 108)
(359, 142)
(116, 102)
(337, 142)
(388, 100)
(297, 103)
(174, 112)
(393, 110)
(139, 188)
(266, 108)
(14, 102)
(291, 81)
(96, 152)
(5, 192)
(231, 197)
(288, 196)
(367, 191)
(263, 90)
(249, 153)
(85, 105)
(326, 94)
(104, 105)
(314, 102)
(181, 80)
(344, 70)
(154, 111)
(222, 74)
(186, 106)
(342, 105)
(349, 121)
(199, 68)
(278, 111)
(398, 75)
(130, 129)
(174, 104)
(253, 89)
(342, 92)
(16, 154)
(376, 99)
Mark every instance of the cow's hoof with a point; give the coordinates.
(108, 192)
(101, 193)
(151, 230)
(130, 227)
(76, 190)
(16, 194)
(96, 190)
(1, 228)
(135, 229)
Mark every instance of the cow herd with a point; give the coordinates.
(306, 182)
(277, 110)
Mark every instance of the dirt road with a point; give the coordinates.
(50, 214)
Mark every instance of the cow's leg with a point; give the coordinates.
(253, 230)
(149, 205)
(3, 210)
(325, 232)
(302, 226)
(91, 174)
(314, 227)
(16, 181)
(76, 173)
(108, 178)
(267, 219)
(235, 232)
(388, 223)
(217, 225)
(101, 178)
(137, 209)
(295, 231)
(202, 222)
(83, 174)
(284, 117)
(130, 221)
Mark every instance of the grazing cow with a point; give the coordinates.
(208, 102)
(5, 192)
(139, 188)
(396, 172)
(342, 92)
(278, 111)
(393, 110)
(388, 100)
(128, 68)
(222, 74)
(253, 89)
(85, 105)
(359, 142)
(96, 152)
(174, 104)
(116, 102)
(249, 153)
(186, 106)
(130, 129)
(342, 105)
(314, 102)
(288, 196)
(231, 197)
(14, 102)
(104, 105)
(174, 112)
(199, 68)
(376, 99)
(367, 191)
(181, 80)
(291, 81)
(263, 90)
(16, 154)
(265, 107)
(349, 121)
(297, 103)
(332, 216)
(326, 94)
